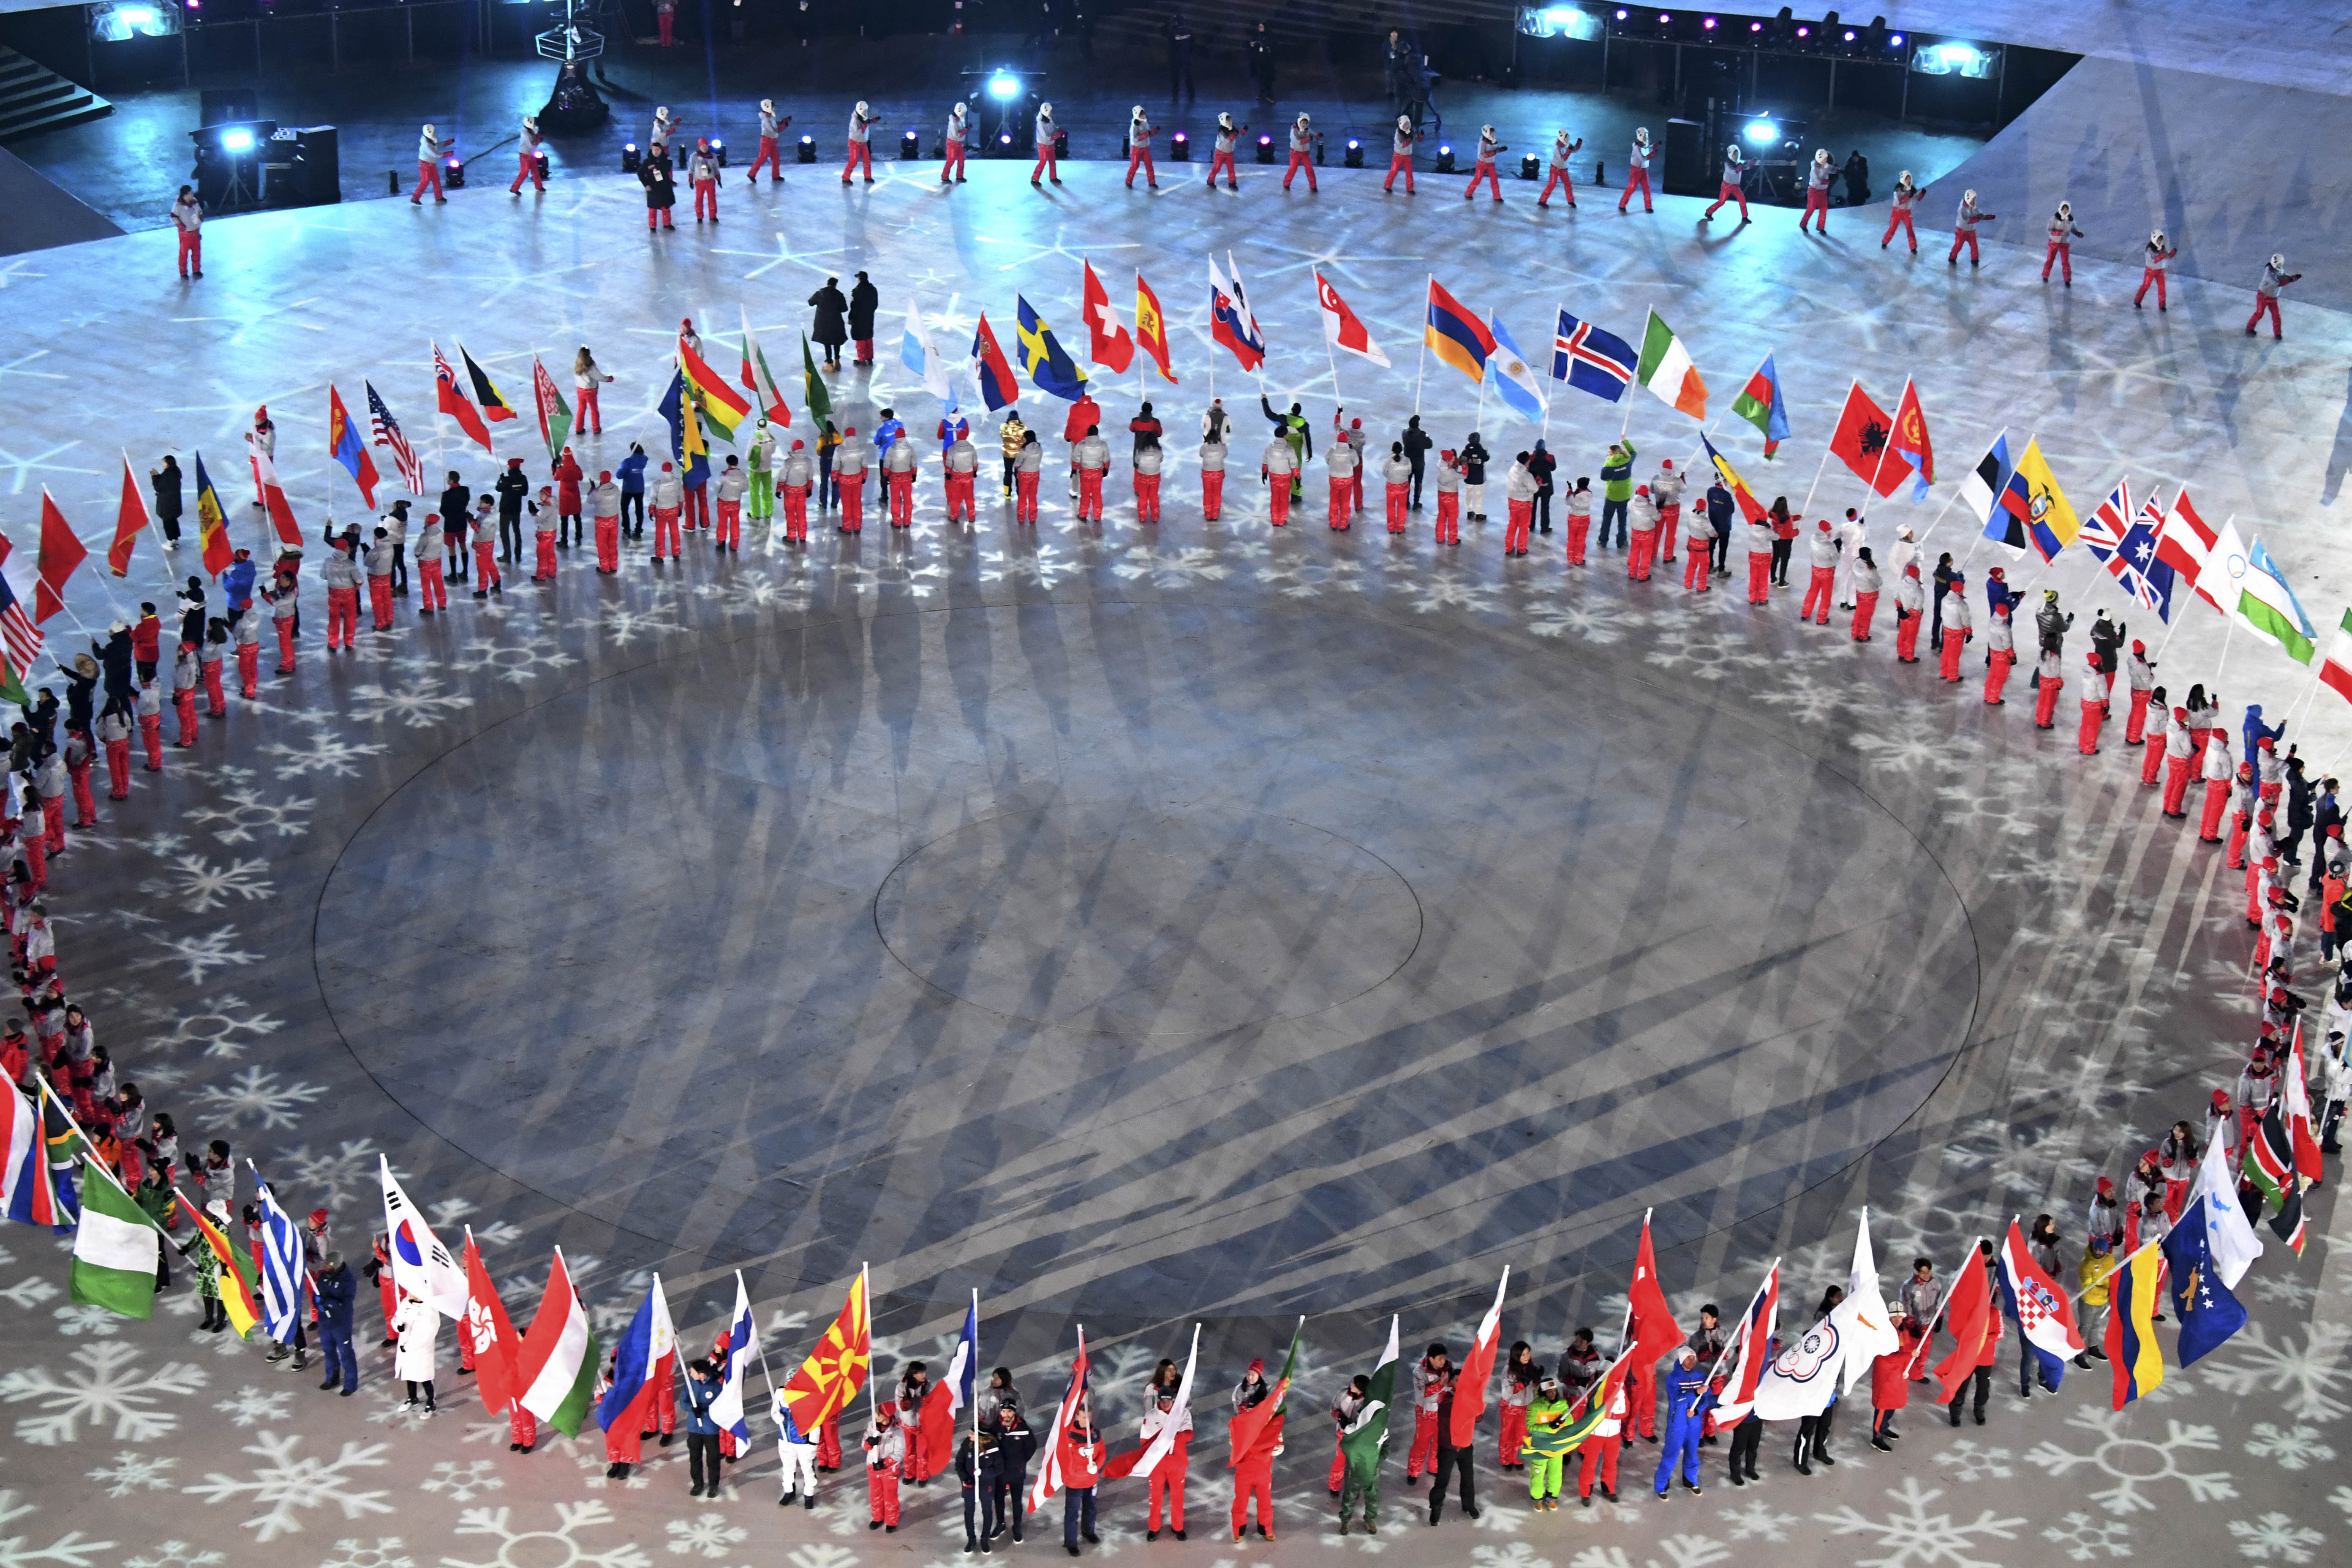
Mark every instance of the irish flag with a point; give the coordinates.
(2336, 669)
(557, 1367)
(114, 1252)
(1666, 369)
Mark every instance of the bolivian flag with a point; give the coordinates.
(2131, 1346)
(236, 1280)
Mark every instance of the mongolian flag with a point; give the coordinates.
(1455, 334)
(495, 406)
(234, 1275)
(2131, 1345)
(1151, 329)
(212, 523)
(990, 370)
(554, 414)
(833, 1372)
(347, 447)
(453, 403)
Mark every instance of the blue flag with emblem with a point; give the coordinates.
(2208, 1313)
(1051, 369)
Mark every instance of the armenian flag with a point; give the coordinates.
(2131, 1346)
(833, 1372)
(1455, 335)
(212, 523)
(235, 1276)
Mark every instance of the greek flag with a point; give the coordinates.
(282, 1267)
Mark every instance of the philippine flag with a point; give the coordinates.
(638, 1359)
(743, 1344)
(420, 1264)
(2042, 1312)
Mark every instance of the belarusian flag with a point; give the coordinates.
(2336, 669)
(1760, 403)
(557, 1367)
(1366, 1437)
(554, 414)
(1666, 369)
(114, 1251)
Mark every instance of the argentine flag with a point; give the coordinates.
(1515, 378)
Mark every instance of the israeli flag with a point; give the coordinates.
(1515, 378)
(917, 352)
(743, 1344)
(282, 1267)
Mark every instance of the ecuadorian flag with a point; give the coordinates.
(2131, 1346)
(1455, 335)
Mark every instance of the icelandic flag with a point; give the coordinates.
(991, 372)
(917, 352)
(1230, 322)
(939, 1415)
(2042, 1312)
(282, 1267)
(421, 1266)
(1590, 360)
(24, 1191)
(638, 1359)
(741, 1344)
(1514, 377)
(2208, 1313)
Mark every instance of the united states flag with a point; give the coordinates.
(18, 635)
(387, 434)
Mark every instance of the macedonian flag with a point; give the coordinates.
(836, 1369)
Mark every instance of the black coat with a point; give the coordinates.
(78, 688)
(863, 297)
(831, 308)
(661, 188)
(166, 485)
(115, 659)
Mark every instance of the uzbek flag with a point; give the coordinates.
(212, 523)
(557, 1368)
(833, 1372)
(2131, 1345)
(234, 1277)
(1666, 369)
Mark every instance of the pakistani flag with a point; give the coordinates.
(1368, 1435)
(114, 1252)
(820, 404)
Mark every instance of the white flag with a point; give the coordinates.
(1869, 1326)
(2229, 1234)
(420, 1264)
(1171, 1428)
(743, 1344)
(917, 352)
(757, 378)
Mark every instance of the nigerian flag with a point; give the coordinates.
(114, 1252)
(1368, 1435)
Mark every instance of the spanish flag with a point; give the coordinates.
(722, 406)
(236, 1280)
(1455, 335)
(836, 1369)
(2131, 1346)
(212, 523)
(1151, 328)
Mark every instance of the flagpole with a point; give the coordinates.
(974, 1371)
(1745, 1318)
(153, 527)
(1626, 1328)
(1819, 470)
(1422, 372)
(866, 1290)
(1956, 494)
(1330, 356)
(1557, 310)
(1881, 467)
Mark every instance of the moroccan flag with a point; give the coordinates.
(488, 1335)
(494, 402)
(130, 517)
(2131, 1345)
(554, 414)
(234, 1275)
(1049, 1449)
(61, 551)
(1655, 1330)
(2269, 1162)
(991, 372)
(1863, 433)
(453, 403)
(1366, 1437)
(760, 380)
(212, 523)
(1666, 370)
(1107, 341)
(1258, 1429)
(556, 1369)
(348, 448)
(833, 1372)
(820, 406)
(1911, 442)
(1760, 403)
(1151, 329)
(114, 1251)
(1967, 1315)
(722, 406)
(1455, 334)
(1477, 1368)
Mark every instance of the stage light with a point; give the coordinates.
(1761, 133)
(719, 151)
(806, 151)
(1004, 139)
(1444, 158)
(1895, 40)
(1621, 16)
(453, 174)
(1527, 165)
(628, 157)
(1803, 31)
(1179, 148)
(1707, 25)
(135, 16)
(1004, 85)
(1849, 35)
(1353, 156)
(910, 146)
(1265, 148)
(236, 141)
(1954, 59)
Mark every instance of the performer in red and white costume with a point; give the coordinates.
(1731, 188)
(959, 131)
(1400, 155)
(861, 143)
(1964, 230)
(1906, 195)
(770, 158)
(2061, 232)
(1561, 146)
(1817, 190)
(2152, 264)
(1637, 171)
(1140, 132)
(527, 159)
(1223, 156)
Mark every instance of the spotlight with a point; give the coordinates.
(1621, 16)
(1179, 148)
(1005, 140)
(1894, 40)
(1265, 148)
(453, 174)
(1761, 133)
(1848, 35)
(806, 151)
(1444, 158)
(1707, 25)
(135, 16)
(1804, 32)
(628, 157)
(1527, 165)
(236, 141)
(1354, 156)
(1755, 27)
(1954, 59)
(1004, 87)
(719, 151)
(910, 146)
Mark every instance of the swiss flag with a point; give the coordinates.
(1109, 343)
(1342, 328)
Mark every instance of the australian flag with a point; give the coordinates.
(2208, 1313)
(2135, 564)
(1590, 360)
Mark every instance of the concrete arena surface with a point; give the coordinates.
(1217, 923)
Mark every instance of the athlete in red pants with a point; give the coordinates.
(769, 159)
(2094, 710)
(429, 149)
(1760, 562)
(708, 178)
(1449, 499)
(2062, 231)
(1957, 629)
(1695, 562)
(527, 159)
(792, 484)
(886, 1459)
(1139, 132)
(1816, 607)
(1399, 492)
(2275, 277)
(248, 653)
(1222, 155)
(151, 725)
(342, 602)
(188, 218)
(898, 484)
(1637, 171)
(1906, 197)
(1561, 149)
(1817, 190)
(1518, 517)
(1484, 169)
(1400, 155)
(1429, 1376)
(432, 593)
(1600, 1463)
(2178, 761)
(861, 146)
(667, 541)
(852, 487)
(1049, 151)
(2047, 683)
(1730, 188)
(1999, 660)
(1964, 230)
(959, 129)
(114, 735)
(1212, 492)
(1146, 486)
(1302, 154)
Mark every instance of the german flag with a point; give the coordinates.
(235, 1279)
(836, 1369)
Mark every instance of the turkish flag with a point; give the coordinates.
(1477, 1368)
(1863, 430)
(1109, 343)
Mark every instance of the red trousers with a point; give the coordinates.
(151, 731)
(1343, 496)
(882, 1492)
(36, 867)
(706, 200)
(1695, 567)
(2151, 763)
(588, 416)
(828, 1445)
(859, 153)
(436, 596)
(428, 176)
(1635, 180)
(343, 617)
(1900, 219)
(1449, 517)
(1949, 667)
(2086, 739)
(1423, 1454)
(1760, 579)
(2175, 785)
(286, 647)
(1730, 191)
(1483, 170)
(249, 667)
(1515, 1433)
(1090, 494)
(1601, 1460)
(1253, 1480)
(1559, 178)
(769, 161)
(1997, 676)
(1213, 493)
(1967, 236)
(1518, 517)
(543, 568)
(2135, 721)
(1907, 636)
(2045, 700)
(1049, 166)
(1397, 495)
(1147, 498)
(85, 808)
(796, 512)
(1815, 201)
(665, 527)
(1168, 1486)
(1578, 528)
(668, 21)
(1818, 592)
(730, 524)
(1225, 161)
(486, 566)
(1299, 161)
(53, 820)
(953, 167)
(1670, 528)
(379, 601)
(1866, 606)
(608, 545)
(1024, 496)
(215, 699)
(118, 770)
(1140, 157)
(900, 488)
(697, 506)
(522, 1426)
(961, 503)
(853, 501)
(191, 250)
(1638, 558)
(1398, 164)
(1640, 1402)
(2063, 254)
(528, 169)
(2266, 303)
(2148, 275)
(2217, 798)
(1278, 498)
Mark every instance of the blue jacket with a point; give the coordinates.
(632, 474)
(336, 1290)
(1683, 1387)
(238, 584)
(1718, 508)
(698, 1396)
(2256, 730)
(887, 433)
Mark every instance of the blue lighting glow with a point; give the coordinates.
(1003, 85)
(1761, 132)
(237, 141)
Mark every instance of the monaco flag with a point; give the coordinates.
(1477, 1368)
(1342, 328)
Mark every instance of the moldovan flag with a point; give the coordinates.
(487, 1335)
(61, 551)
(554, 414)
(130, 517)
(648, 1341)
(274, 502)
(556, 1370)
(1366, 1437)
(1760, 403)
(345, 445)
(421, 1266)
(1147, 1460)
(1863, 432)
(452, 402)
(1106, 339)
(2131, 1345)
(1478, 1369)
(1456, 336)
(1151, 329)
(1911, 441)
(2043, 1313)
(114, 1252)
(232, 1274)
(1967, 1316)
(991, 371)
(495, 406)
(760, 380)
(2336, 669)
(836, 1369)
(1666, 370)
(26, 1193)
(212, 523)
(1342, 328)
(1049, 1447)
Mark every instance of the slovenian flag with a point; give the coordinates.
(1666, 370)
(741, 1342)
(1514, 377)
(557, 1369)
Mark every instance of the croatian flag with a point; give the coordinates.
(638, 1359)
(741, 1344)
(2042, 1312)
(421, 1266)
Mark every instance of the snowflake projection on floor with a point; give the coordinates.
(1706, 658)
(705, 1536)
(1970, 813)
(1432, 595)
(227, 1031)
(517, 664)
(108, 1396)
(1810, 697)
(418, 703)
(198, 885)
(2275, 1538)
(293, 1478)
(1911, 1534)
(329, 756)
(88, 1322)
(1510, 1554)
(1673, 1552)
(257, 1095)
(2283, 1289)
(459, 1481)
(384, 1551)
(177, 1555)
(1756, 1520)
(621, 628)
(131, 1472)
(556, 1548)
(349, 1165)
(198, 956)
(820, 1555)
(251, 1406)
(2138, 1465)
(68, 1551)
(1971, 1461)
(1171, 569)
(2288, 1447)
(28, 1294)
(1044, 565)
(2084, 1537)
(754, 595)
(2304, 1382)
(1903, 753)
(242, 816)
(1599, 624)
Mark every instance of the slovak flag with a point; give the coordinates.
(742, 1341)
(991, 371)
(420, 1265)
(1230, 322)
(1342, 328)
(939, 1415)
(637, 1361)
(2041, 1309)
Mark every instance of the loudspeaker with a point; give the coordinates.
(1687, 163)
(315, 178)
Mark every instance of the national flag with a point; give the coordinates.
(718, 406)
(130, 517)
(1562, 1435)
(648, 1341)
(2103, 531)
(1108, 343)
(20, 584)
(2184, 543)
(688, 448)
(1258, 1429)
(1968, 1319)
(1980, 491)
(820, 402)
(1366, 1438)
(556, 1369)
(2043, 1311)
(1151, 330)
(495, 406)
(917, 352)
(2140, 568)
(26, 1193)
(1478, 1369)
(1051, 369)
(212, 524)
(1655, 1330)
(2336, 669)
(1751, 1350)
(61, 551)
(2264, 604)
(1148, 1459)
(989, 371)
(1911, 442)
(2269, 1162)
(1749, 507)
(2037, 506)
(453, 403)
(488, 1336)
(760, 380)
(387, 434)
(232, 1274)
(421, 1266)
(1760, 403)
(833, 1372)
(345, 445)
(2229, 1235)
(1591, 360)
(1230, 322)
(740, 1345)
(1242, 301)
(2131, 1344)
(1342, 328)
(554, 414)
(1514, 377)
(1666, 370)
(282, 1273)
(1861, 439)
(1454, 335)
(2208, 1313)
(114, 1251)
(1837, 1352)
(2298, 1096)
(1049, 1447)
(952, 1394)
(274, 502)
(1867, 1322)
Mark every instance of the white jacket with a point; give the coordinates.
(418, 1325)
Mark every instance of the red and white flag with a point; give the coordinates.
(2335, 664)
(130, 517)
(1342, 328)
(1751, 1350)
(487, 1335)
(2184, 542)
(274, 502)
(1477, 1368)
(2298, 1114)
(1048, 1479)
(1108, 343)
(2044, 1313)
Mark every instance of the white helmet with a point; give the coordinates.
(1968, 196)
(1821, 154)
(1136, 113)
(1731, 150)
(530, 123)
(860, 109)
(428, 130)
(1045, 111)
(1488, 131)
(1302, 117)
(662, 113)
(1404, 122)
(2155, 239)
(1904, 178)
(1642, 134)
(1225, 121)
(2065, 209)
(2279, 261)
(767, 106)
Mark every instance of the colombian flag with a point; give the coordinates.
(836, 1369)
(236, 1280)
(720, 406)
(2131, 1347)
(212, 523)
(1455, 335)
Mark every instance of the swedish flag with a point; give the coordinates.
(1050, 368)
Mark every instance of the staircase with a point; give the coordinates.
(34, 99)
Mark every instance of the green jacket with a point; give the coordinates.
(1617, 478)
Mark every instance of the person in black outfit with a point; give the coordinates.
(1261, 63)
(457, 507)
(166, 482)
(1180, 57)
(1542, 466)
(863, 297)
(513, 489)
(1813, 1431)
(1450, 1459)
(192, 612)
(115, 659)
(654, 172)
(832, 321)
(1473, 457)
(1745, 1438)
(1014, 1444)
(1416, 451)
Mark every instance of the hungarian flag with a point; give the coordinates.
(487, 1335)
(453, 403)
(1366, 1437)
(1151, 329)
(1048, 1479)
(61, 551)
(1106, 339)
(1342, 328)
(991, 371)
(556, 1369)
(2336, 667)
(554, 414)
(1911, 441)
(494, 402)
(1477, 1368)
(2184, 541)
(1863, 434)
(2269, 1162)
(347, 447)
(130, 517)
(233, 1274)
(212, 523)
(1666, 370)
(760, 380)
(820, 406)
(274, 502)
(1147, 1460)
(1760, 403)
(26, 1193)
(114, 1251)
(1655, 1330)
(833, 1372)
(1967, 1315)
(1258, 1429)
(722, 406)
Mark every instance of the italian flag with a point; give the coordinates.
(2336, 669)
(1366, 1437)
(1666, 369)
(114, 1252)
(557, 1367)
